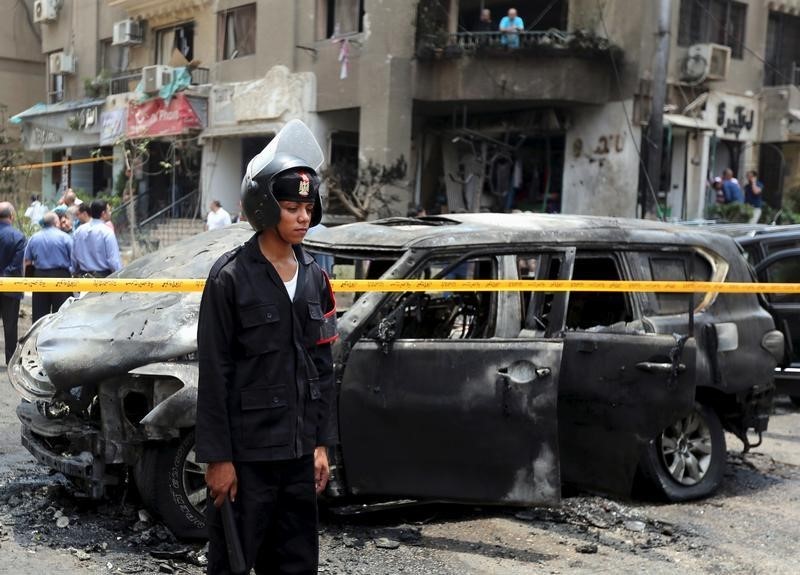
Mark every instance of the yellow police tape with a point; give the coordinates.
(343, 286)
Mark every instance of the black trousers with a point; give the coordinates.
(276, 514)
(9, 309)
(49, 302)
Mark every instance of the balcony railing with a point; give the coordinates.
(467, 43)
(127, 80)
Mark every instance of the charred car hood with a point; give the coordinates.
(105, 334)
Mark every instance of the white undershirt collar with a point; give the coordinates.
(291, 285)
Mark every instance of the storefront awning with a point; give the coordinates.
(156, 118)
(72, 124)
(41, 109)
(687, 122)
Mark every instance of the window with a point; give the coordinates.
(113, 59)
(343, 167)
(594, 310)
(775, 247)
(785, 270)
(236, 32)
(339, 17)
(670, 266)
(717, 21)
(56, 88)
(782, 65)
(175, 44)
(535, 307)
(442, 315)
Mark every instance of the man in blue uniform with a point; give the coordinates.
(49, 251)
(95, 252)
(265, 389)
(12, 248)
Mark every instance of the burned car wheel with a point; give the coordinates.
(172, 483)
(687, 460)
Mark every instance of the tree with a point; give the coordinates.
(363, 190)
(10, 157)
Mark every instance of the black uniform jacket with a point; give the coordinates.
(265, 390)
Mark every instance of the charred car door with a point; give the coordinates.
(442, 400)
(621, 385)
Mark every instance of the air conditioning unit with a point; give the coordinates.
(62, 63)
(127, 33)
(707, 62)
(46, 10)
(154, 77)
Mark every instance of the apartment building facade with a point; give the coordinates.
(552, 119)
(22, 72)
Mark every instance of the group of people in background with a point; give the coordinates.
(730, 191)
(74, 240)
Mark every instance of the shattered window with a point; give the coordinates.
(588, 310)
(175, 45)
(443, 315)
(338, 267)
(339, 17)
(672, 267)
(237, 32)
(536, 305)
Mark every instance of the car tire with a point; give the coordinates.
(687, 460)
(795, 400)
(172, 485)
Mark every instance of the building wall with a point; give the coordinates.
(744, 74)
(22, 73)
(601, 170)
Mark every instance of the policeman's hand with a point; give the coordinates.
(321, 468)
(221, 481)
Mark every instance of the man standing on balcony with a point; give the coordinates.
(512, 25)
(217, 218)
(95, 252)
(485, 24)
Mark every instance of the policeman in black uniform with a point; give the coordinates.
(265, 392)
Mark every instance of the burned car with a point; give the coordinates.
(774, 253)
(479, 396)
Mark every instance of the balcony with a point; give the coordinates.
(127, 80)
(531, 66)
(486, 44)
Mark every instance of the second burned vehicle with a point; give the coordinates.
(462, 396)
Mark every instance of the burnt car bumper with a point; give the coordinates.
(65, 446)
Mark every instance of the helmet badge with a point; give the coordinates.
(303, 189)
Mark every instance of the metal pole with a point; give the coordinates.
(655, 128)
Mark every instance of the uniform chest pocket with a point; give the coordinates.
(313, 324)
(260, 329)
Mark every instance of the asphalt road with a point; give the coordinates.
(750, 526)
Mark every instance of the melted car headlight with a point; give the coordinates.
(26, 370)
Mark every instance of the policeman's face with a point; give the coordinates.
(295, 220)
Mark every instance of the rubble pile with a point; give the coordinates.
(40, 511)
(602, 522)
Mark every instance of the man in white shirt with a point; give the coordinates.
(217, 218)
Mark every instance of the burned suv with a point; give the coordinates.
(774, 253)
(463, 395)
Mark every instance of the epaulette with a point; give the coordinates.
(224, 260)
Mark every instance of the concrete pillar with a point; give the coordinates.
(385, 89)
(696, 174)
